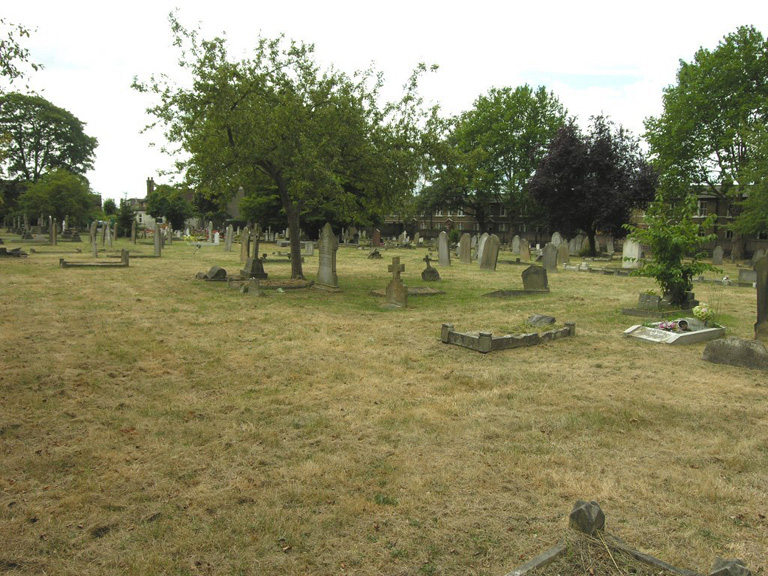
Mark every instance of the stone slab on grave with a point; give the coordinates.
(695, 332)
(747, 277)
(485, 341)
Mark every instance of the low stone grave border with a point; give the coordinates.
(485, 341)
(513, 293)
(657, 335)
(412, 291)
(588, 518)
(124, 263)
(12, 253)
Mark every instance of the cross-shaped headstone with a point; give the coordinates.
(427, 259)
(396, 268)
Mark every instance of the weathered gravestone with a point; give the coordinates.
(481, 246)
(525, 250)
(630, 254)
(245, 244)
(397, 292)
(761, 326)
(759, 253)
(490, 253)
(549, 257)
(535, 278)
(429, 274)
(376, 238)
(327, 247)
(210, 231)
(228, 240)
(563, 256)
(557, 239)
(717, 256)
(133, 232)
(416, 239)
(465, 249)
(157, 240)
(609, 248)
(516, 244)
(737, 352)
(443, 250)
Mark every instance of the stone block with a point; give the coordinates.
(587, 517)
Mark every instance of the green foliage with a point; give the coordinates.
(125, 217)
(705, 135)
(753, 211)
(319, 138)
(490, 152)
(13, 56)
(455, 235)
(170, 203)
(674, 239)
(60, 194)
(109, 207)
(42, 138)
(592, 182)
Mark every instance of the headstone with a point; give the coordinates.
(481, 245)
(563, 257)
(572, 247)
(376, 238)
(609, 247)
(557, 239)
(54, 233)
(549, 257)
(630, 251)
(759, 253)
(216, 273)
(397, 292)
(254, 268)
(108, 232)
(94, 239)
(474, 241)
(465, 249)
(133, 232)
(761, 326)
(210, 231)
(309, 248)
(429, 274)
(535, 278)
(737, 352)
(402, 238)
(158, 246)
(327, 247)
(717, 256)
(416, 238)
(245, 244)
(516, 244)
(443, 250)
(228, 239)
(579, 242)
(525, 250)
(216, 238)
(490, 253)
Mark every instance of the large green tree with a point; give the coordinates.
(753, 210)
(40, 137)
(169, 202)
(490, 152)
(319, 138)
(13, 55)
(59, 193)
(704, 136)
(590, 183)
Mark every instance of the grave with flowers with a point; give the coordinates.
(699, 328)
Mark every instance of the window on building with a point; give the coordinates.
(502, 210)
(460, 226)
(729, 234)
(762, 236)
(141, 218)
(439, 212)
(702, 211)
(503, 227)
(460, 212)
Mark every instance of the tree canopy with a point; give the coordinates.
(169, 202)
(319, 138)
(41, 137)
(13, 55)
(705, 135)
(590, 183)
(490, 152)
(59, 193)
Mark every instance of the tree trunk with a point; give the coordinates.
(591, 238)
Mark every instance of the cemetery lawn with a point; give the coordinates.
(151, 423)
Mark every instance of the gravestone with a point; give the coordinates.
(245, 244)
(557, 239)
(416, 238)
(759, 253)
(630, 250)
(309, 248)
(107, 231)
(717, 256)
(516, 244)
(572, 247)
(157, 245)
(429, 274)
(443, 250)
(474, 241)
(535, 278)
(133, 232)
(490, 253)
(525, 250)
(327, 247)
(761, 326)
(549, 257)
(481, 246)
(397, 292)
(403, 238)
(228, 240)
(563, 256)
(210, 231)
(216, 238)
(465, 249)
(94, 239)
(376, 238)
(609, 247)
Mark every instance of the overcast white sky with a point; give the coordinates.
(609, 57)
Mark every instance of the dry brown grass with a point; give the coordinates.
(151, 423)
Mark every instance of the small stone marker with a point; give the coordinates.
(717, 256)
(465, 249)
(327, 247)
(397, 292)
(587, 517)
(732, 567)
(761, 326)
(549, 257)
(490, 253)
(429, 274)
(535, 278)
(443, 250)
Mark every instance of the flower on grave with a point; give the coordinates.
(669, 326)
(703, 312)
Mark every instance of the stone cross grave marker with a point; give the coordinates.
(443, 250)
(429, 274)
(397, 292)
(465, 249)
